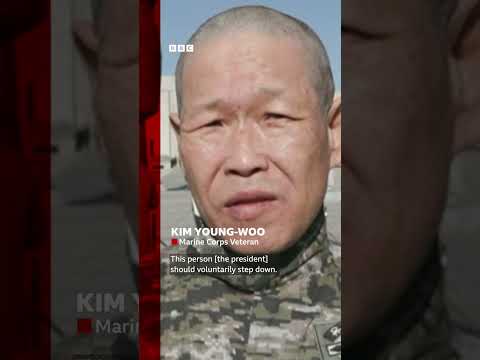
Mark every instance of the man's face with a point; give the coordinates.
(253, 137)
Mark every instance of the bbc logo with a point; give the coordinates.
(180, 48)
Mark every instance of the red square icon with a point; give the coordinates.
(84, 326)
(174, 242)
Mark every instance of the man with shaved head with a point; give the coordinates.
(258, 131)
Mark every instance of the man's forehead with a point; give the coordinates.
(244, 87)
(223, 101)
(265, 62)
(236, 47)
(261, 91)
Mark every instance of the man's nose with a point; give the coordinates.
(246, 155)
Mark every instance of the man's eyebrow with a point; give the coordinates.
(210, 105)
(272, 91)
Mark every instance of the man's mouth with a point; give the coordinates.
(248, 205)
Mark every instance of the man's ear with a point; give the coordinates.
(87, 39)
(335, 132)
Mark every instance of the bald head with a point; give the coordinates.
(265, 21)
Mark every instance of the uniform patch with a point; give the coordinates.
(329, 340)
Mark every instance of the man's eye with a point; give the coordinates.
(214, 123)
(275, 116)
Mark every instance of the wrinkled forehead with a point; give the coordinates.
(235, 59)
(237, 47)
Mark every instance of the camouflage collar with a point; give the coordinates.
(288, 263)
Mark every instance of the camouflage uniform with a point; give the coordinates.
(293, 314)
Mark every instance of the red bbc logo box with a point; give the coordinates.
(84, 326)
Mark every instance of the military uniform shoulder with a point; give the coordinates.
(328, 335)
